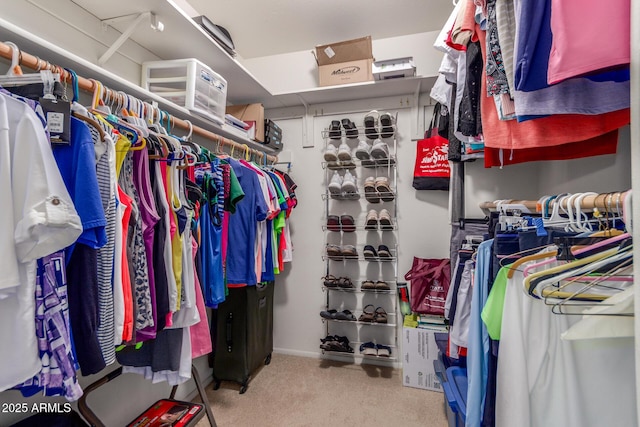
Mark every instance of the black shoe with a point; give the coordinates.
(350, 128)
(334, 130)
(370, 122)
(386, 125)
(369, 252)
(383, 251)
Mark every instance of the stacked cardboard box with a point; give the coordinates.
(345, 62)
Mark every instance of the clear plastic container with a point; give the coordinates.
(188, 83)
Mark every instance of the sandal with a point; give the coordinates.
(372, 220)
(383, 350)
(333, 251)
(387, 122)
(384, 189)
(349, 251)
(380, 315)
(327, 342)
(382, 286)
(334, 130)
(350, 128)
(369, 252)
(345, 315)
(330, 281)
(368, 349)
(348, 224)
(367, 285)
(370, 123)
(367, 315)
(345, 282)
(333, 223)
(341, 344)
(328, 314)
(384, 252)
(370, 192)
(385, 220)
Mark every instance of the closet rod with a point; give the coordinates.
(610, 201)
(36, 63)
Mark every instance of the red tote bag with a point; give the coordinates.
(430, 280)
(431, 171)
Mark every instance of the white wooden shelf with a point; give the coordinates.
(182, 38)
(355, 91)
(56, 55)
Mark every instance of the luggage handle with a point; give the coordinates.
(229, 330)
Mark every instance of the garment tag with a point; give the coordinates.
(329, 52)
(58, 115)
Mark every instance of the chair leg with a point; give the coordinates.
(203, 396)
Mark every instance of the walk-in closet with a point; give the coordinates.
(243, 213)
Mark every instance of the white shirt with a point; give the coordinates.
(545, 381)
(43, 220)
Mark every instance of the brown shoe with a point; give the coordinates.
(385, 220)
(370, 192)
(367, 285)
(384, 189)
(381, 286)
(372, 220)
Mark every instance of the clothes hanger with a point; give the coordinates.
(613, 274)
(513, 267)
(557, 271)
(548, 286)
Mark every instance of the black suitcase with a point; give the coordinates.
(244, 334)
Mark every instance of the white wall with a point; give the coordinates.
(421, 217)
(298, 71)
(72, 28)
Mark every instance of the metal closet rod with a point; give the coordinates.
(35, 63)
(609, 201)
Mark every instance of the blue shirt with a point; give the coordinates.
(533, 46)
(478, 350)
(241, 254)
(77, 165)
(211, 213)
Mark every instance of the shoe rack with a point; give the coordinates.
(360, 249)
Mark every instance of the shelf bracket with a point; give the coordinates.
(139, 18)
(417, 120)
(307, 142)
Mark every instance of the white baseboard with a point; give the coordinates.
(338, 358)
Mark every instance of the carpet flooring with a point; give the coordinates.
(300, 391)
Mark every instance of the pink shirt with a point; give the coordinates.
(588, 35)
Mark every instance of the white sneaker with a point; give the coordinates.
(335, 186)
(349, 183)
(344, 152)
(363, 150)
(380, 150)
(331, 154)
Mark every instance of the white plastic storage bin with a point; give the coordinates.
(188, 83)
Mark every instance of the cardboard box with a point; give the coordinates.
(250, 113)
(419, 350)
(345, 62)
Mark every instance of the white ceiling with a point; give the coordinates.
(263, 28)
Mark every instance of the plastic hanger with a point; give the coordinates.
(548, 286)
(566, 268)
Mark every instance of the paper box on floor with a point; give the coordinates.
(345, 62)
(419, 350)
(250, 113)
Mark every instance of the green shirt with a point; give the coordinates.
(492, 312)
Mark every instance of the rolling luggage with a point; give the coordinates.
(244, 334)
